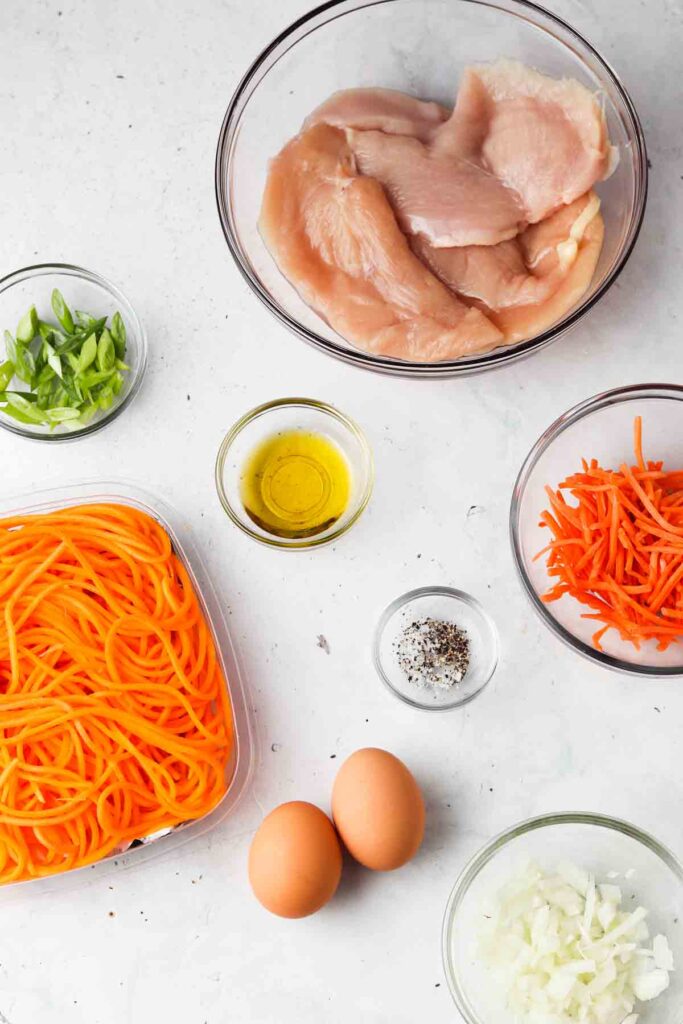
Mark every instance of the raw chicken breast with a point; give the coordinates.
(521, 322)
(384, 110)
(448, 200)
(523, 270)
(545, 138)
(335, 238)
(517, 147)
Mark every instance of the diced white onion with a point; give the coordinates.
(611, 894)
(651, 984)
(565, 951)
(664, 958)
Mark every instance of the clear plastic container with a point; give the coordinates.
(240, 765)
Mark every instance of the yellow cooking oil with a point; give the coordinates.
(296, 484)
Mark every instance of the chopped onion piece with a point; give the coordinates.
(606, 914)
(577, 878)
(628, 924)
(651, 984)
(664, 958)
(589, 909)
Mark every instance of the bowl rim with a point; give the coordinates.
(484, 855)
(385, 364)
(615, 396)
(459, 597)
(134, 323)
(305, 543)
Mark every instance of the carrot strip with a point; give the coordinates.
(638, 441)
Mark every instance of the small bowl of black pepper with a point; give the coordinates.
(435, 648)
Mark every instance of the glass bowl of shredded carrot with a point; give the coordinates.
(123, 725)
(597, 529)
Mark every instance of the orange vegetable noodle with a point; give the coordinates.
(114, 715)
(618, 548)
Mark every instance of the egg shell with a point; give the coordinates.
(378, 809)
(295, 860)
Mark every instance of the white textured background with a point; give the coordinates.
(109, 114)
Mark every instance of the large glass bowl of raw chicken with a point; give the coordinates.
(430, 188)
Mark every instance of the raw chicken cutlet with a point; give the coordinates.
(447, 200)
(517, 146)
(518, 323)
(334, 236)
(521, 271)
(384, 110)
(527, 284)
(546, 138)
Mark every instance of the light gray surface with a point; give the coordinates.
(116, 173)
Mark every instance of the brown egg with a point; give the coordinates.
(378, 809)
(295, 860)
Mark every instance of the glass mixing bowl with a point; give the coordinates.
(601, 428)
(420, 47)
(598, 844)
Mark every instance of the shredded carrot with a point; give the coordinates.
(114, 715)
(619, 549)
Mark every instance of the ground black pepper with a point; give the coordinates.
(432, 652)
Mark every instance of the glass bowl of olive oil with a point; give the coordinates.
(294, 473)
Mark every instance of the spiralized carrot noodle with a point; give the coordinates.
(114, 715)
(619, 548)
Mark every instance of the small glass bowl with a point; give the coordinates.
(601, 428)
(286, 414)
(82, 289)
(448, 605)
(597, 843)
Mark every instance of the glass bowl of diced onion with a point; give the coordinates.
(529, 923)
